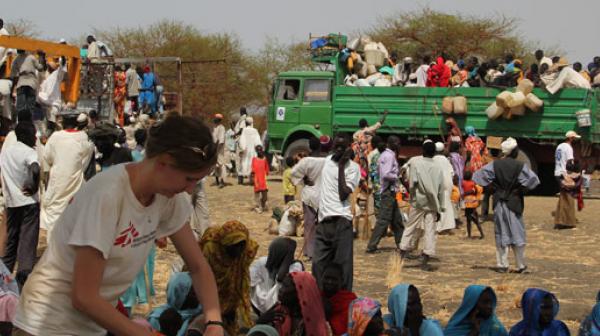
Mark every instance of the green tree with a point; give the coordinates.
(208, 87)
(431, 32)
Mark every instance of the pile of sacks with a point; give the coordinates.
(287, 221)
(366, 60)
(509, 104)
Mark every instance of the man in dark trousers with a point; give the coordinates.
(334, 238)
(389, 214)
(20, 171)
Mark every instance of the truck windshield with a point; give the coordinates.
(317, 90)
(288, 89)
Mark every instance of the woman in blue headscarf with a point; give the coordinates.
(406, 312)
(591, 325)
(180, 297)
(539, 312)
(476, 314)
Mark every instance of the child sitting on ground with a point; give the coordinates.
(471, 195)
(260, 170)
(289, 189)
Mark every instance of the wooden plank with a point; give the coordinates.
(50, 48)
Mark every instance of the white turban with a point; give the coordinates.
(508, 146)
(439, 147)
(81, 118)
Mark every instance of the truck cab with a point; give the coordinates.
(300, 108)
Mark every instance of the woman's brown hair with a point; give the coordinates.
(186, 139)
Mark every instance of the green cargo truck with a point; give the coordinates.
(309, 104)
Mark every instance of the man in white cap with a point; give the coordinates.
(510, 178)
(219, 139)
(564, 153)
(447, 221)
(426, 187)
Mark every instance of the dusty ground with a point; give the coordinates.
(565, 262)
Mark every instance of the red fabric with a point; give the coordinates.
(121, 308)
(311, 305)
(468, 186)
(339, 314)
(476, 146)
(260, 169)
(439, 74)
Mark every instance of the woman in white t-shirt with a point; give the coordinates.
(103, 238)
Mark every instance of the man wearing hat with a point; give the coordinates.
(564, 153)
(219, 139)
(510, 178)
(563, 76)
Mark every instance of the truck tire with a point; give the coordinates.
(297, 147)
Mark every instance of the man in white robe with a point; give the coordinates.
(239, 127)
(67, 154)
(249, 139)
(447, 221)
(49, 94)
(219, 139)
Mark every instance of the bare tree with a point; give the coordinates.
(22, 27)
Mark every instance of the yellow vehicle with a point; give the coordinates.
(70, 89)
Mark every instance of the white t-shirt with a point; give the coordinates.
(564, 153)
(14, 167)
(264, 290)
(106, 215)
(329, 202)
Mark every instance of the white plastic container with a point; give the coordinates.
(584, 118)
(375, 57)
(494, 111)
(533, 102)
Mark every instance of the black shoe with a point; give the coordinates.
(412, 256)
(372, 251)
(501, 269)
(521, 270)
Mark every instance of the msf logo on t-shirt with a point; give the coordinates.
(125, 238)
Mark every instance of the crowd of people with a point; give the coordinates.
(107, 196)
(443, 71)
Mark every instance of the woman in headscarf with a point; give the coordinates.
(539, 315)
(267, 273)
(406, 312)
(457, 162)
(230, 251)
(181, 298)
(454, 133)
(475, 150)
(300, 310)
(476, 314)
(439, 74)
(364, 318)
(591, 325)
(336, 300)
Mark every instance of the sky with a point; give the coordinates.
(572, 26)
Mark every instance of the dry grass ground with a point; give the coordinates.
(564, 262)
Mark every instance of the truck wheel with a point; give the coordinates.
(297, 147)
(525, 157)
